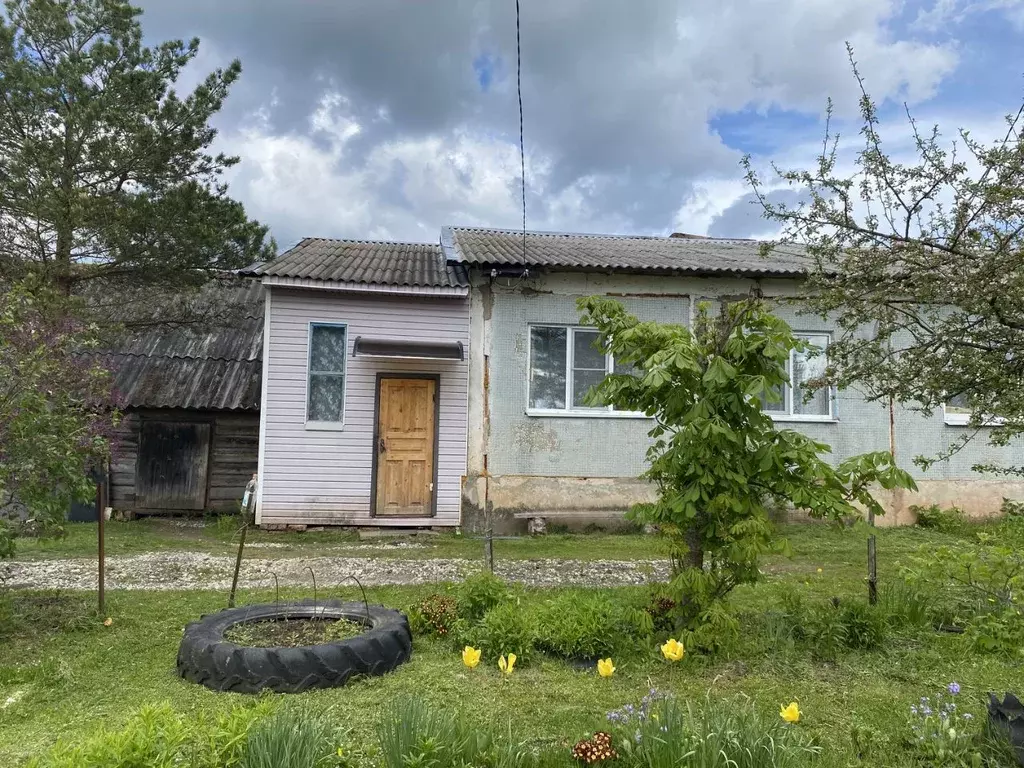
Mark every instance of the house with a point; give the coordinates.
(365, 385)
(442, 385)
(188, 440)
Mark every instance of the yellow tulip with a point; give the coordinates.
(790, 714)
(506, 665)
(605, 668)
(470, 656)
(673, 650)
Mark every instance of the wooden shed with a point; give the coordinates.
(188, 441)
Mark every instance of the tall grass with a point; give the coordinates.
(415, 734)
(290, 738)
(713, 734)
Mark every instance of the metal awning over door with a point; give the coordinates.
(411, 350)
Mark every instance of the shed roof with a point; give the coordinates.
(368, 262)
(213, 365)
(625, 253)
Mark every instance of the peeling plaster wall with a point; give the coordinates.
(576, 464)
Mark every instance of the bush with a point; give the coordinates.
(506, 629)
(588, 625)
(981, 587)
(158, 736)
(941, 519)
(664, 732)
(661, 609)
(1012, 508)
(478, 594)
(864, 625)
(436, 614)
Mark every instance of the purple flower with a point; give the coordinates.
(954, 688)
(926, 711)
(913, 709)
(968, 716)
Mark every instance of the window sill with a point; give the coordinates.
(566, 414)
(324, 426)
(964, 420)
(807, 419)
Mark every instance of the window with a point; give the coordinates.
(325, 390)
(565, 363)
(804, 367)
(957, 410)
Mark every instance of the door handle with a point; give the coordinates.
(380, 445)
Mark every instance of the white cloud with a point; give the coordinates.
(943, 14)
(618, 104)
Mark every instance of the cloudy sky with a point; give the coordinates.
(389, 118)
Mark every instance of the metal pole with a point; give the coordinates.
(238, 565)
(489, 549)
(101, 529)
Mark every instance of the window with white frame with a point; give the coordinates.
(804, 367)
(565, 362)
(325, 387)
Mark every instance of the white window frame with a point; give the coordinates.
(335, 426)
(787, 389)
(586, 412)
(960, 419)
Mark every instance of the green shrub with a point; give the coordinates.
(999, 632)
(826, 631)
(507, 628)
(159, 737)
(864, 625)
(589, 625)
(661, 609)
(666, 733)
(291, 738)
(478, 594)
(436, 614)
(942, 519)
(1012, 508)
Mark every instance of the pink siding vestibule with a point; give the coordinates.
(323, 476)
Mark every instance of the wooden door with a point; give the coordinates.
(172, 465)
(406, 424)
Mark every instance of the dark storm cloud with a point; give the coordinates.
(596, 97)
(617, 95)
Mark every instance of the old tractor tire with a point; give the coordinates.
(205, 657)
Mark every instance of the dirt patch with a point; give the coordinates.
(292, 633)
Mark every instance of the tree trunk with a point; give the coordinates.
(694, 557)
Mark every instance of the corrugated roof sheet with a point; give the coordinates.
(367, 262)
(215, 365)
(684, 255)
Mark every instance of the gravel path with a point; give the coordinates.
(195, 570)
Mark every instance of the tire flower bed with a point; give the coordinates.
(322, 651)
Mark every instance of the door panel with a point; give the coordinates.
(405, 447)
(172, 465)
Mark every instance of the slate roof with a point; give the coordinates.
(622, 253)
(370, 262)
(213, 365)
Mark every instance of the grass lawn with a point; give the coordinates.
(68, 673)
